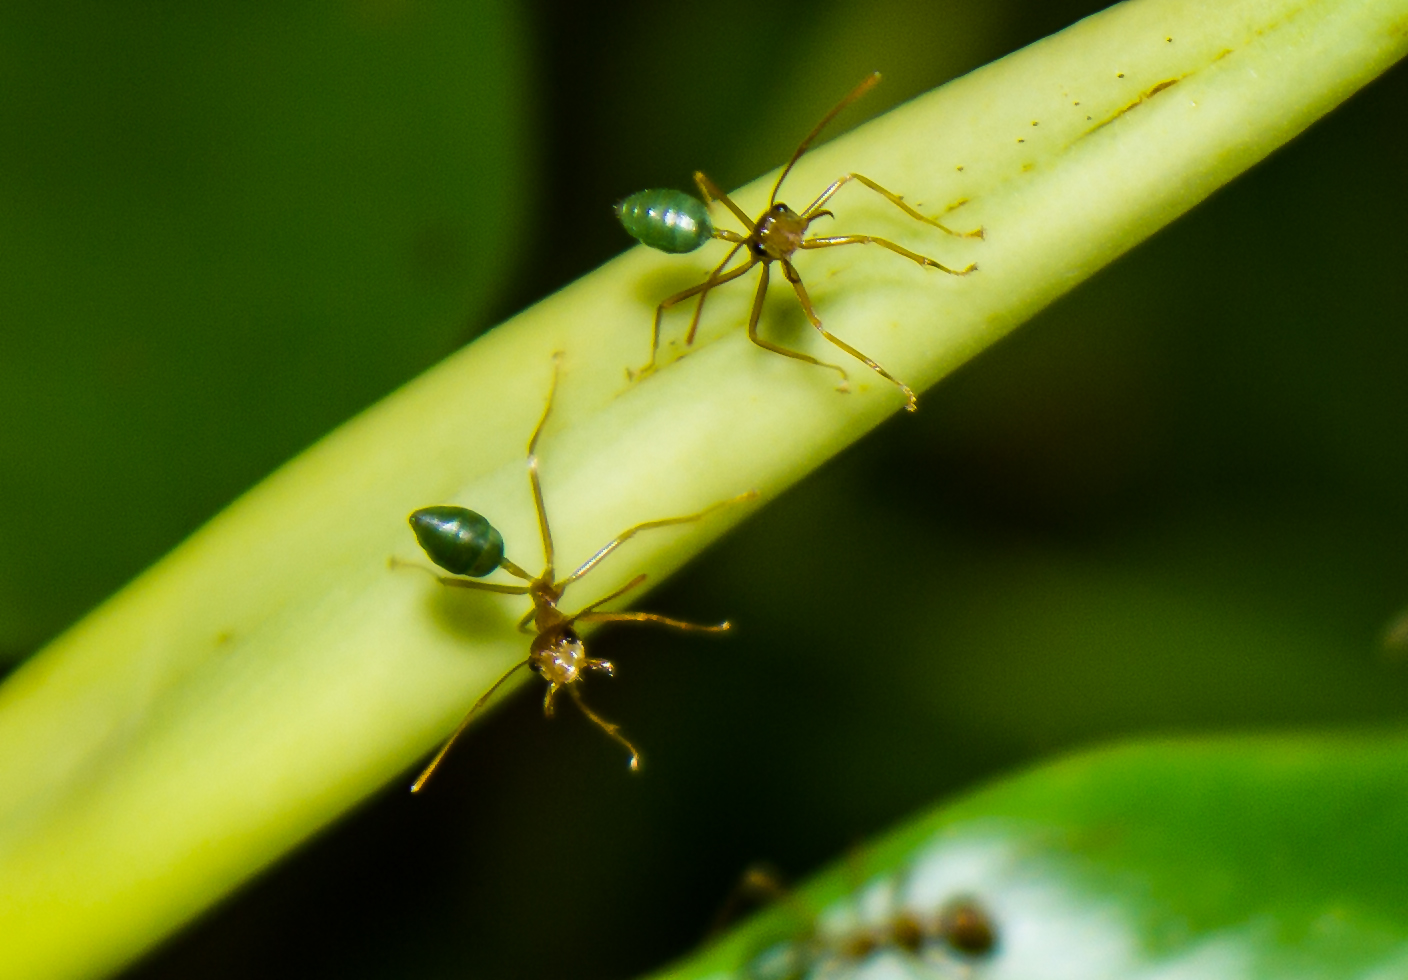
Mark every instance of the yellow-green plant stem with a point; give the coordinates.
(274, 670)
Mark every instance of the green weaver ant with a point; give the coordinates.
(675, 222)
(465, 543)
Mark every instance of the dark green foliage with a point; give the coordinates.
(458, 540)
(226, 229)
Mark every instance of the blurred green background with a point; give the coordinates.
(1175, 502)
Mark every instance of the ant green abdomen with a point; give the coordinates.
(458, 540)
(669, 220)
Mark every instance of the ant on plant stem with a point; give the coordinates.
(465, 544)
(673, 221)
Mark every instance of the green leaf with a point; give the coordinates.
(273, 670)
(1225, 858)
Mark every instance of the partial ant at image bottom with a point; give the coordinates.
(947, 939)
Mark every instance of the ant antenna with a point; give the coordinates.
(870, 82)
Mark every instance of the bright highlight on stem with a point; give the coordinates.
(273, 670)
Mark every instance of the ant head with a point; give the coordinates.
(558, 654)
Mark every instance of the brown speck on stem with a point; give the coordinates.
(1119, 74)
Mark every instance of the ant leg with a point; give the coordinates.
(769, 345)
(710, 192)
(884, 243)
(547, 409)
(461, 583)
(870, 82)
(426, 773)
(525, 624)
(533, 480)
(464, 583)
(714, 279)
(679, 297)
(911, 402)
(612, 730)
(642, 617)
(590, 615)
(814, 209)
(632, 531)
(633, 583)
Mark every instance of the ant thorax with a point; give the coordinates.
(779, 233)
